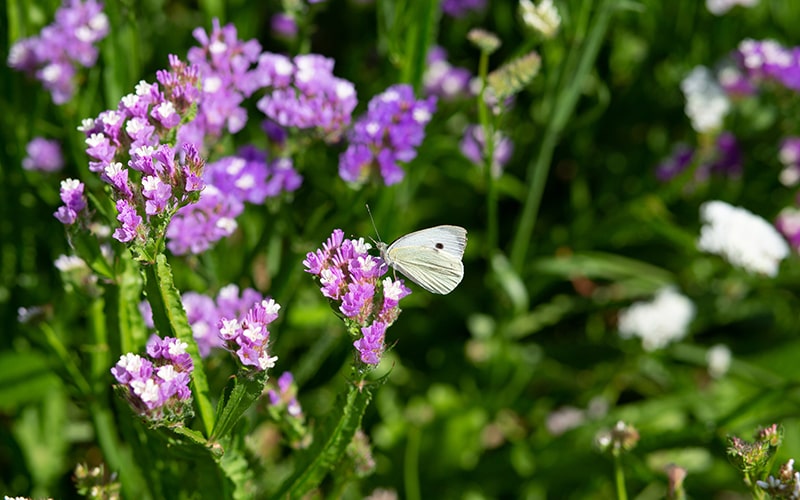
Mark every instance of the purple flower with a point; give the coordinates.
(43, 155)
(390, 132)
(303, 93)
(283, 25)
(223, 63)
(768, 60)
(131, 222)
(789, 156)
(788, 223)
(370, 346)
(473, 146)
(351, 278)
(232, 181)
(443, 80)
(285, 395)
(460, 8)
(158, 387)
(128, 148)
(676, 163)
(194, 228)
(248, 337)
(74, 201)
(70, 40)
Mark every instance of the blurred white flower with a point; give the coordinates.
(564, 419)
(542, 18)
(719, 360)
(706, 102)
(663, 320)
(68, 263)
(744, 239)
(720, 7)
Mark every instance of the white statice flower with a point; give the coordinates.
(744, 239)
(718, 358)
(663, 320)
(706, 101)
(720, 7)
(542, 18)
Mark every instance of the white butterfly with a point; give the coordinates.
(431, 257)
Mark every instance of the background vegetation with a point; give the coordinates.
(474, 375)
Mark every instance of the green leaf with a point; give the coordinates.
(170, 319)
(24, 377)
(247, 387)
(330, 441)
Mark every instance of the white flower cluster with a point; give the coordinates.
(706, 102)
(744, 239)
(720, 7)
(663, 320)
(542, 18)
(718, 358)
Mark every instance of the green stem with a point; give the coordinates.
(619, 478)
(488, 134)
(565, 100)
(411, 464)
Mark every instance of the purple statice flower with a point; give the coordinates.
(223, 63)
(283, 26)
(303, 93)
(194, 228)
(460, 8)
(767, 60)
(734, 81)
(723, 159)
(351, 279)
(43, 155)
(74, 201)
(157, 386)
(443, 80)
(788, 223)
(230, 182)
(284, 395)
(52, 57)
(473, 146)
(389, 133)
(672, 166)
(789, 156)
(248, 337)
(204, 313)
(128, 147)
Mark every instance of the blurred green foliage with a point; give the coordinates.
(474, 375)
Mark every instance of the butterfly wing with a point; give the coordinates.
(430, 257)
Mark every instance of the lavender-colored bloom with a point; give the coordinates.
(460, 8)
(285, 394)
(390, 132)
(283, 25)
(734, 81)
(789, 156)
(131, 222)
(150, 179)
(443, 80)
(158, 386)
(473, 146)
(370, 346)
(194, 228)
(223, 63)
(727, 158)
(351, 278)
(788, 223)
(232, 181)
(70, 40)
(74, 201)
(303, 93)
(43, 155)
(248, 337)
(676, 163)
(768, 60)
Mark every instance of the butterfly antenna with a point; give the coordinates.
(373, 223)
